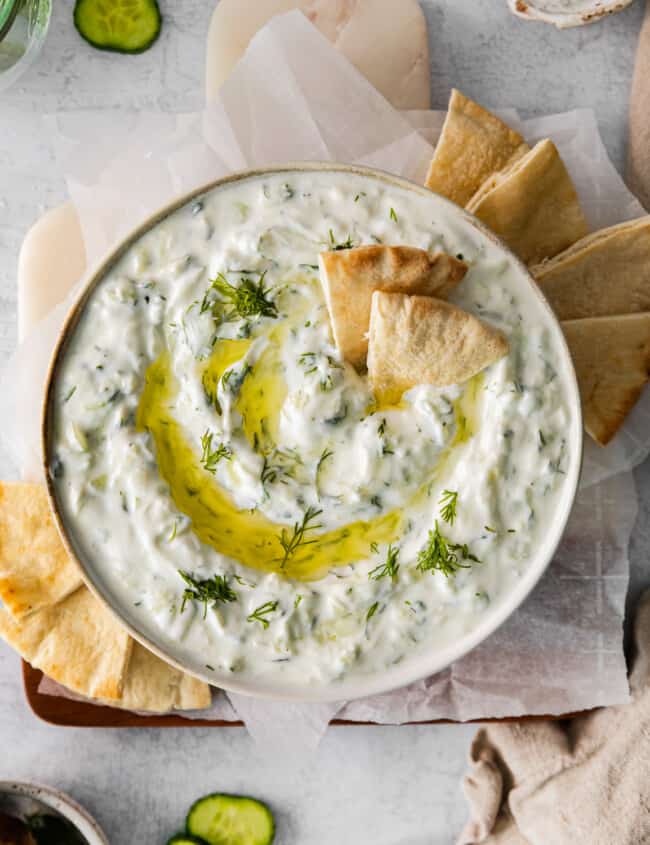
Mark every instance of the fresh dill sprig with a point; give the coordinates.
(336, 246)
(447, 504)
(211, 457)
(215, 590)
(250, 299)
(291, 542)
(441, 555)
(389, 568)
(260, 613)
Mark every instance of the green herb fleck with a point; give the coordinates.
(297, 601)
(211, 457)
(441, 555)
(260, 613)
(250, 299)
(291, 542)
(389, 568)
(335, 246)
(393, 216)
(215, 590)
(70, 393)
(447, 504)
(371, 611)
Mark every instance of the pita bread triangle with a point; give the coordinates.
(532, 205)
(611, 356)
(473, 145)
(350, 276)
(605, 273)
(422, 340)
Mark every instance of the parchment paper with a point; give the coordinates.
(293, 97)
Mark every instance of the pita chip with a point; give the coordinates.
(611, 356)
(76, 642)
(35, 569)
(153, 686)
(473, 145)
(350, 276)
(532, 205)
(603, 274)
(421, 340)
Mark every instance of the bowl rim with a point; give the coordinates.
(359, 686)
(62, 804)
(529, 10)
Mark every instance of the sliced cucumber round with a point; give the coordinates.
(123, 26)
(185, 839)
(223, 819)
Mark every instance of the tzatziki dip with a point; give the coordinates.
(232, 479)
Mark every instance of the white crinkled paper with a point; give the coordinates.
(291, 98)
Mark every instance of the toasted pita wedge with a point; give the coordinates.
(35, 569)
(421, 340)
(350, 276)
(603, 274)
(153, 686)
(75, 642)
(532, 205)
(473, 145)
(612, 360)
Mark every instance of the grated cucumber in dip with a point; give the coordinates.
(231, 477)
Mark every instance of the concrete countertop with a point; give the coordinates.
(386, 786)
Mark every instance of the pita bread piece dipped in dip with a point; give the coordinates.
(350, 276)
(422, 340)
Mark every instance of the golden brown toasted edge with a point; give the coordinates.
(153, 686)
(474, 144)
(423, 340)
(350, 276)
(532, 205)
(35, 569)
(604, 274)
(76, 642)
(611, 356)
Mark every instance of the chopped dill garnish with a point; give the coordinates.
(215, 590)
(335, 246)
(491, 530)
(371, 611)
(291, 542)
(250, 299)
(542, 439)
(210, 394)
(260, 613)
(389, 568)
(447, 504)
(393, 216)
(70, 393)
(308, 360)
(385, 446)
(297, 601)
(211, 457)
(441, 555)
(172, 535)
(325, 454)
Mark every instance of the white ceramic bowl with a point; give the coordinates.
(410, 669)
(25, 799)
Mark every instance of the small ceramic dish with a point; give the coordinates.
(566, 13)
(23, 800)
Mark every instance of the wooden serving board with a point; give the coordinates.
(68, 713)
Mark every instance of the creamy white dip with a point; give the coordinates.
(185, 442)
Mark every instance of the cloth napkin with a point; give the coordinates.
(638, 165)
(581, 782)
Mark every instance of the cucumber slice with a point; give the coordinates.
(223, 819)
(185, 839)
(123, 26)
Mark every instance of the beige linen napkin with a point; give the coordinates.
(638, 164)
(583, 782)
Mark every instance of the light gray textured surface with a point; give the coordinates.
(388, 786)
